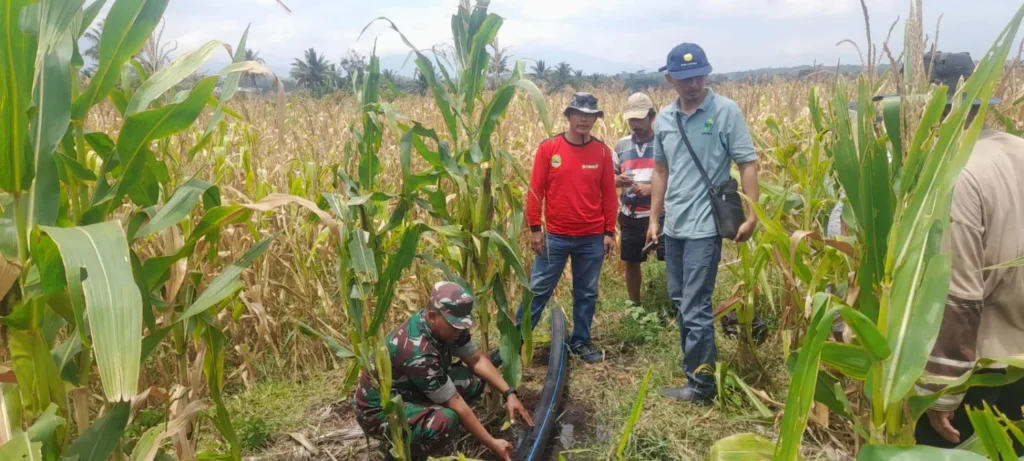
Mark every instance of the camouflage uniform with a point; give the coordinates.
(422, 373)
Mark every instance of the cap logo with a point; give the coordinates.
(556, 161)
(688, 57)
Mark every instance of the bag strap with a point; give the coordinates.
(689, 147)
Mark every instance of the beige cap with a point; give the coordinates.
(639, 105)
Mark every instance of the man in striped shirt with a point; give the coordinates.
(634, 166)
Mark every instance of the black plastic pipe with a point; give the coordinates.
(532, 447)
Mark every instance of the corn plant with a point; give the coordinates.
(487, 208)
(902, 212)
(96, 240)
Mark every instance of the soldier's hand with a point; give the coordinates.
(501, 448)
(515, 407)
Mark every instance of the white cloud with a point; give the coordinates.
(605, 34)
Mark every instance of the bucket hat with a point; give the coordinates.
(585, 103)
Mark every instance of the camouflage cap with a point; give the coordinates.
(454, 304)
(585, 103)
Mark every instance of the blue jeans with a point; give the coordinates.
(691, 267)
(587, 255)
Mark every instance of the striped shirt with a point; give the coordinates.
(637, 158)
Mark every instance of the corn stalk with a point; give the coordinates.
(487, 208)
(76, 232)
(901, 211)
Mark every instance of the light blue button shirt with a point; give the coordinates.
(719, 136)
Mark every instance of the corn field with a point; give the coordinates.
(158, 240)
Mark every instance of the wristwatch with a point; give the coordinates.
(510, 391)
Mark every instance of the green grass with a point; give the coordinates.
(280, 404)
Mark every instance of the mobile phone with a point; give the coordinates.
(650, 245)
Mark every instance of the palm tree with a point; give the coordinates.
(92, 37)
(540, 70)
(422, 86)
(499, 63)
(561, 76)
(253, 55)
(313, 72)
(155, 53)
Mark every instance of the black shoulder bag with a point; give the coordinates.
(726, 203)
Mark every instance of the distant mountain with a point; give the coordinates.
(797, 71)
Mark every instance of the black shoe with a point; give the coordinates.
(496, 358)
(685, 394)
(587, 354)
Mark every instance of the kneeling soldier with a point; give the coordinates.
(435, 392)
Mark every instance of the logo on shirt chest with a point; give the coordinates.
(591, 167)
(709, 126)
(556, 161)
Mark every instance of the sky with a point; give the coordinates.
(606, 36)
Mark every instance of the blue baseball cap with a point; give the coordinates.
(687, 61)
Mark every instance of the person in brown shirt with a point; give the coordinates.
(984, 314)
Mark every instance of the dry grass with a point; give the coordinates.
(295, 280)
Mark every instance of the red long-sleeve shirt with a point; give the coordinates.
(574, 186)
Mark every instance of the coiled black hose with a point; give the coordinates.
(532, 447)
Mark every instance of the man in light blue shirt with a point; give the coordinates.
(719, 136)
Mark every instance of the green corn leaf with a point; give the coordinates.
(511, 340)
(101, 438)
(178, 207)
(89, 16)
(46, 425)
(21, 448)
(490, 116)
(363, 261)
(146, 443)
(144, 127)
(127, 27)
(51, 96)
(226, 284)
(634, 416)
(38, 377)
(511, 255)
(230, 85)
(213, 367)
(474, 76)
(384, 290)
(867, 333)
(10, 408)
(64, 356)
(426, 68)
(539, 101)
(17, 57)
(921, 276)
(526, 328)
(79, 171)
(153, 340)
(993, 437)
(742, 447)
(852, 361)
(801, 390)
(170, 76)
(896, 453)
(893, 121)
(1019, 262)
(337, 349)
(97, 264)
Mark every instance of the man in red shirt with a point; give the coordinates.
(573, 187)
